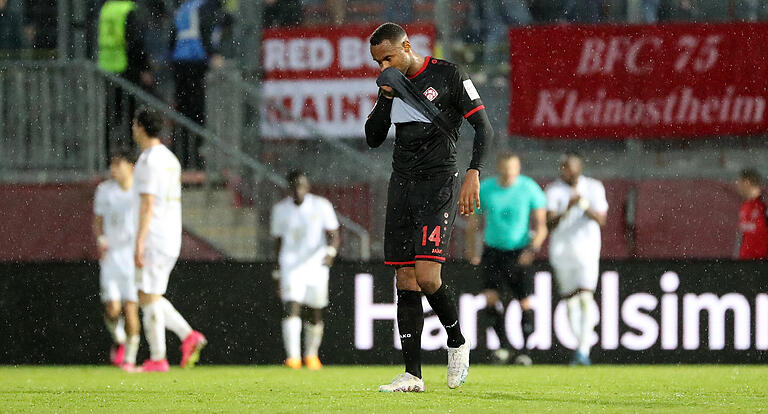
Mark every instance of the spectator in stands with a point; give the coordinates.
(121, 42)
(753, 227)
(40, 28)
(583, 11)
(10, 24)
(193, 50)
(650, 11)
(121, 51)
(280, 13)
(400, 11)
(499, 15)
(746, 10)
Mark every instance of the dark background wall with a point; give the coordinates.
(50, 312)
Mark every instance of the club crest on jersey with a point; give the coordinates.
(430, 93)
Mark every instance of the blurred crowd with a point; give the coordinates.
(32, 23)
(169, 45)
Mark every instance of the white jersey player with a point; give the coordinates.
(115, 231)
(576, 210)
(158, 242)
(306, 231)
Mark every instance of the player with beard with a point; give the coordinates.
(425, 190)
(576, 210)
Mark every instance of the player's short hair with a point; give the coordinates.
(570, 154)
(122, 154)
(388, 31)
(150, 120)
(751, 176)
(507, 155)
(294, 175)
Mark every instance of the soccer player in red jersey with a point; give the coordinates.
(753, 227)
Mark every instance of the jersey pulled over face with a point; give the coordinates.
(116, 206)
(158, 173)
(576, 238)
(420, 146)
(301, 229)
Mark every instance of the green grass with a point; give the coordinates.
(694, 389)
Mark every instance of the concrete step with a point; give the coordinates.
(210, 214)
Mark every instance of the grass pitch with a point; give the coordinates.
(694, 389)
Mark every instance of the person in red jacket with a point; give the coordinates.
(753, 226)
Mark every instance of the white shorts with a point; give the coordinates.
(572, 276)
(116, 277)
(307, 285)
(153, 278)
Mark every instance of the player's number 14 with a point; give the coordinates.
(433, 237)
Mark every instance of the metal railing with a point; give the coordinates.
(56, 125)
(52, 121)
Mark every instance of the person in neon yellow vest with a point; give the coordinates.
(121, 42)
(121, 51)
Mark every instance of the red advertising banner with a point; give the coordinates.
(321, 81)
(672, 80)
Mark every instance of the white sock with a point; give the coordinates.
(131, 349)
(292, 336)
(574, 316)
(116, 329)
(120, 335)
(154, 329)
(173, 320)
(313, 336)
(587, 322)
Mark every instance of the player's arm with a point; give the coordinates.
(553, 217)
(599, 217)
(472, 249)
(598, 210)
(540, 226)
(331, 226)
(467, 101)
(276, 269)
(332, 249)
(98, 232)
(541, 232)
(145, 215)
(99, 209)
(469, 198)
(379, 120)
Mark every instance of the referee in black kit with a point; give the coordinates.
(426, 99)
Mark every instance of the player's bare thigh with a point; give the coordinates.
(147, 298)
(423, 277)
(113, 309)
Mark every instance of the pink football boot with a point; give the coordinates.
(150, 365)
(190, 349)
(117, 354)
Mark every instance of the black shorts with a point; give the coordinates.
(420, 216)
(500, 267)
